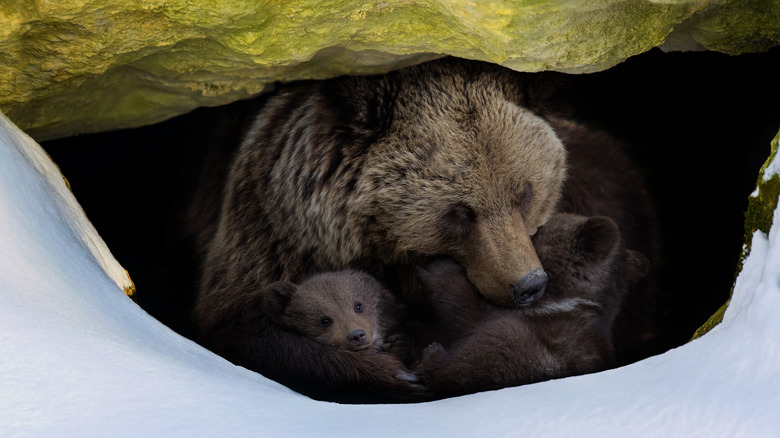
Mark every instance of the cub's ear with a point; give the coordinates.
(637, 266)
(597, 238)
(276, 296)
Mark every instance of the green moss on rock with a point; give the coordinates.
(761, 207)
(714, 320)
(762, 204)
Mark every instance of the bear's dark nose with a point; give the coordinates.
(357, 337)
(530, 287)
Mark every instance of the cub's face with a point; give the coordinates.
(470, 175)
(585, 261)
(578, 253)
(340, 309)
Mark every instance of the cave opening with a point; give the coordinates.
(698, 124)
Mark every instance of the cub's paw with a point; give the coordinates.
(397, 344)
(433, 353)
(394, 340)
(440, 272)
(430, 359)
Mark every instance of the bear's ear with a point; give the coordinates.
(546, 93)
(354, 111)
(276, 296)
(543, 93)
(597, 238)
(637, 266)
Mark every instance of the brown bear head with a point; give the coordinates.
(342, 309)
(464, 169)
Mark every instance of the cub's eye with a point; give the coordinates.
(358, 307)
(325, 321)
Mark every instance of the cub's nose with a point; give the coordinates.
(530, 287)
(357, 337)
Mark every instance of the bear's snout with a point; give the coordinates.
(357, 337)
(530, 287)
(505, 268)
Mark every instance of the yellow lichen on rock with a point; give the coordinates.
(124, 63)
(129, 289)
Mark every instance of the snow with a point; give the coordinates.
(79, 358)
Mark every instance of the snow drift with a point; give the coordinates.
(78, 358)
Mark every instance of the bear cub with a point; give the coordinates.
(343, 309)
(566, 332)
(326, 337)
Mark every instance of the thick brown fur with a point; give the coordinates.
(278, 324)
(447, 157)
(565, 332)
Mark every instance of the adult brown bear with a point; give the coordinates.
(450, 157)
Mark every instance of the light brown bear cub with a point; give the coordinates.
(568, 331)
(344, 309)
(325, 337)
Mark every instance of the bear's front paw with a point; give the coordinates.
(414, 385)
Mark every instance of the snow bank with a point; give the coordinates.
(78, 358)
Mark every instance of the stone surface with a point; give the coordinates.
(76, 66)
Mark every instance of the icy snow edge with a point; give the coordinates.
(76, 220)
(81, 359)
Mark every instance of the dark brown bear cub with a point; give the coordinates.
(344, 309)
(566, 332)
